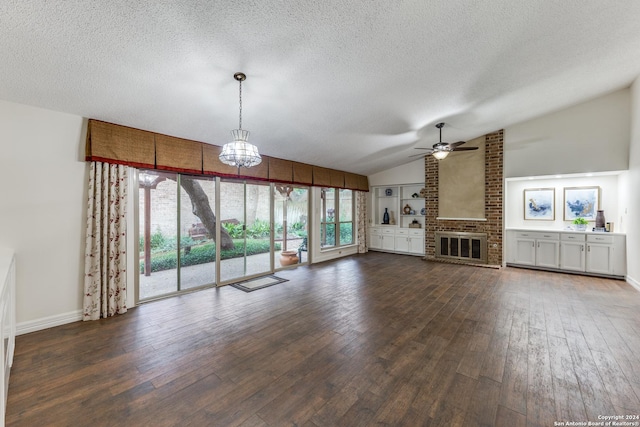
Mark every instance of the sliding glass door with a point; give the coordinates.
(197, 232)
(177, 231)
(245, 216)
(158, 215)
(291, 213)
(187, 224)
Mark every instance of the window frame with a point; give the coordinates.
(336, 221)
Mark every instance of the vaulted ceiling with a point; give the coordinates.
(347, 84)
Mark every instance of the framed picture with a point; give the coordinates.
(581, 202)
(540, 203)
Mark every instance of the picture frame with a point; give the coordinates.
(581, 202)
(539, 204)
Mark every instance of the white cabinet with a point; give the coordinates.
(375, 240)
(387, 239)
(548, 252)
(382, 238)
(594, 253)
(606, 254)
(396, 239)
(525, 250)
(535, 249)
(416, 241)
(599, 258)
(402, 240)
(572, 252)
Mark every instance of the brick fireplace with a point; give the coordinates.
(493, 209)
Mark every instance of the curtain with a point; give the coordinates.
(105, 279)
(361, 209)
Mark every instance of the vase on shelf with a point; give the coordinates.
(385, 216)
(600, 222)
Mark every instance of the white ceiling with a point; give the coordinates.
(348, 84)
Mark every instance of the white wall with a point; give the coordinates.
(514, 200)
(588, 137)
(409, 173)
(42, 183)
(632, 197)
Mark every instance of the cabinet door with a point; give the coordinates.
(402, 244)
(375, 241)
(388, 243)
(416, 245)
(525, 251)
(572, 256)
(599, 258)
(547, 253)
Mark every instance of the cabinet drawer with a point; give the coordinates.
(537, 235)
(527, 234)
(388, 231)
(550, 236)
(573, 237)
(416, 233)
(596, 238)
(402, 232)
(374, 231)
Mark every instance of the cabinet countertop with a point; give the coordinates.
(560, 230)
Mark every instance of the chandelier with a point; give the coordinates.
(240, 152)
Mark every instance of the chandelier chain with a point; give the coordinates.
(240, 124)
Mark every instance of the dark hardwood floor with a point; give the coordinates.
(374, 339)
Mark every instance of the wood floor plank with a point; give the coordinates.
(594, 395)
(484, 404)
(541, 409)
(566, 390)
(515, 379)
(369, 339)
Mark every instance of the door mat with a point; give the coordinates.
(258, 283)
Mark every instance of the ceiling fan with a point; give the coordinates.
(441, 149)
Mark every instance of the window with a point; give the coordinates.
(337, 217)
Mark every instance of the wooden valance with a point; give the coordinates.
(178, 155)
(111, 143)
(302, 173)
(119, 144)
(321, 177)
(280, 170)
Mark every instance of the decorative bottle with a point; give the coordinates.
(600, 219)
(385, 216)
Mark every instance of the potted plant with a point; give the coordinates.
(580, 223)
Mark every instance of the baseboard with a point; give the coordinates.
(633, 283)
(48, 322)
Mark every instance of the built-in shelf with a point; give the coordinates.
(398, 237)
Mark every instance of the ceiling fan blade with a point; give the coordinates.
(420, 148)
(464, 148)
(455, 144)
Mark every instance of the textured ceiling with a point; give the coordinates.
(347, 84)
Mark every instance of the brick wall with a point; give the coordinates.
(493, 202)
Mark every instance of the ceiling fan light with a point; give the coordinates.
(440, 155)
